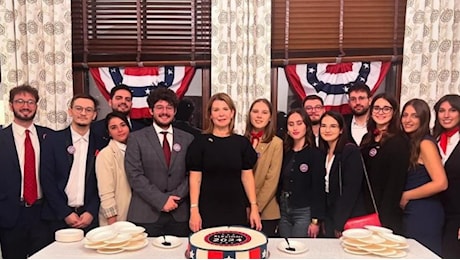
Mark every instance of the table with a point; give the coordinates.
(317, 248)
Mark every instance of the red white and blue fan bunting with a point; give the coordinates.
(141, 80)
(329, 81)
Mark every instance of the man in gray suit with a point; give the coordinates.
(155, 166)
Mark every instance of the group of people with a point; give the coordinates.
(171, 180)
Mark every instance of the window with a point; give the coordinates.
(153, 32)
(321, 30)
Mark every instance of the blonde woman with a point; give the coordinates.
(261, 132)
(221, 178)
(112, 183)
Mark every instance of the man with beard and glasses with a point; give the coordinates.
(22, 231)
(156, 171)
(68, 170)
(121, 100)
(359, 99)
(314, 106)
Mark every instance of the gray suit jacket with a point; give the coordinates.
(152, 182)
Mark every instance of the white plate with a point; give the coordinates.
(122, 224)
(96, 245)
(386, 252)
(395, 238)
(102, 235)
(374, 239)
(120, 238)
(115, 246)
(373, 248)
(140, 236)
(298, 246)
(357, 233)
(135, 245)
(355, 252)
(131, 230)
(379, 230)
(401, 246)
(399, 254)
(175, 242)
(97, 230)
(110, 251)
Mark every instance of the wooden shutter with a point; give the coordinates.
(323, 30)
(144, 32)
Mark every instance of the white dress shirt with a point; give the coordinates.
(75, 188)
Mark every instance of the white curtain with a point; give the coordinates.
(241, 38)
(36, 49)
(431, 64)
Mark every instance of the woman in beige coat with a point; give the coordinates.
(260, 131)
(114, 189)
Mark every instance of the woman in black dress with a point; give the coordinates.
(221, 179)
(385, 150)
(446, 132)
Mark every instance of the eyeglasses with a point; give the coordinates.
(21, 102)
(316, 108)
(80, 109)
(385, 109)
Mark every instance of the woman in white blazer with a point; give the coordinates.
(114, 189)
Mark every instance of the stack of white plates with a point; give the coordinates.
(374, 240)
(116, 238)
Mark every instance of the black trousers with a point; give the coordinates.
(28, 236)
(166, 225)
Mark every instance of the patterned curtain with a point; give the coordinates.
(431, 65)
(241, 33)
(36, 49)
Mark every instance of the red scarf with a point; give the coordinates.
(444, 136)
(256, 136)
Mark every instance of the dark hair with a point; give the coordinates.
(454, 101)
(269, 131)
(115, 114)
(309, 138)
(394, 126)
(343, 137)
(162, 93)
(84, 96)
(359, 87)
(24, 89)
(312, 97)
(423, 113)
(120, 87)
(185, 110)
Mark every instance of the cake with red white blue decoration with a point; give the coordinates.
(228, 242)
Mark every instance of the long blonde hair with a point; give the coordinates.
(228, 100)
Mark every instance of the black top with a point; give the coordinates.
(222, 200)
(302, 176)
(451, 197)
(387, 165)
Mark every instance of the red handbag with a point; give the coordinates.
(369, 219)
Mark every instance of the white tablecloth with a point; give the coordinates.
(317, 248)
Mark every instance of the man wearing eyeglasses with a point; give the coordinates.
(22, 231)
(314, 106)
(359, 100)
(68, 172)
(121, 100)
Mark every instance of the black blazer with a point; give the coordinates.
(10, 176)
(55, 172)
(342, 205)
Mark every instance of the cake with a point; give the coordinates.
(228, 242)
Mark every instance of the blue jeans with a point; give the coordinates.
(294, 222)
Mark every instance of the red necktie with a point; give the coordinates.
(30, 181)
(444, 136)
(166, 149)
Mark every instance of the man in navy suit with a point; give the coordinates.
(121, 100)
(68, 172)
(359, 100)
(22, 231)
